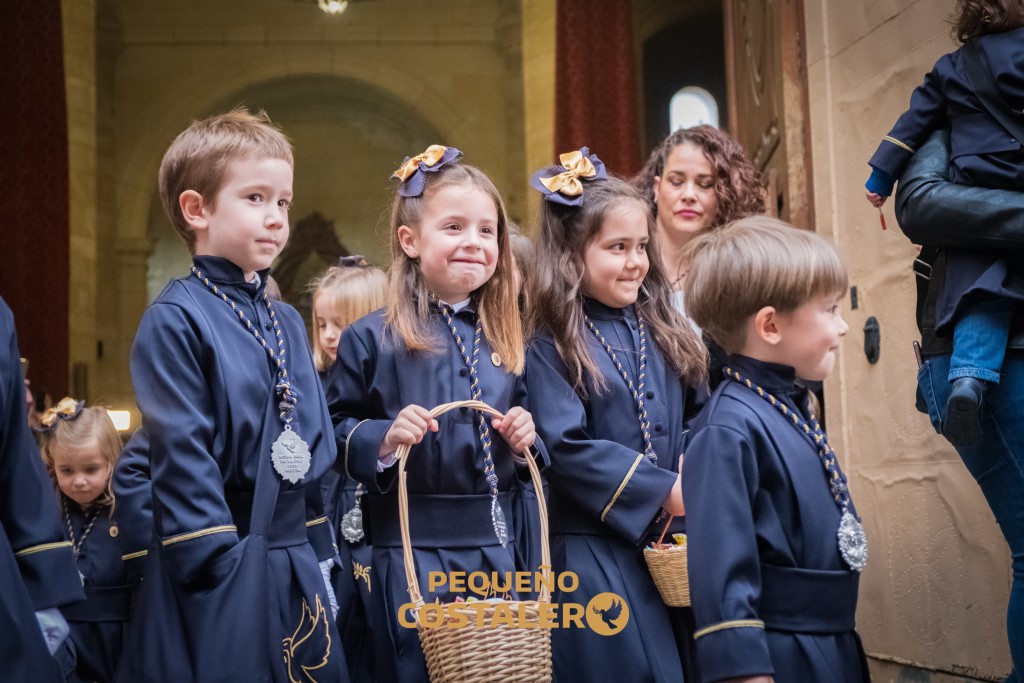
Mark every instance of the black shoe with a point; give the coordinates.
(962, 423)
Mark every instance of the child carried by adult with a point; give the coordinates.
(981, 289)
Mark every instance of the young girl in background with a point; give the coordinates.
(79, 447)
(611, 373)
(451, 331)
(341, 295)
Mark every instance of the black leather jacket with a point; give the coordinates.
(933, 211)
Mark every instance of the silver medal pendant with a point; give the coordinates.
(352, 524)
(853, 544)
(290, 456)
(498, 520)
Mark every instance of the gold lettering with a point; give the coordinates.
(523, 620)
(457, 617)
(431, 615)
(572, 613)
(547, 615)
(478, 583)
(502, 615)
(568, 582)
(403, 619)
(435, 580)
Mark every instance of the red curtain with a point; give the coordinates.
(34, 186)
(595, 83)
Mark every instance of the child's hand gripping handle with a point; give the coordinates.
(402, 454)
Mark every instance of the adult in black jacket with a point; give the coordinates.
(935, 212)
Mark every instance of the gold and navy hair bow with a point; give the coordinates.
(66, 409)
(410, 173)
(563, 184)
(353, 261)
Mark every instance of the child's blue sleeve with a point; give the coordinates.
(720, 482)
(614, 483)
(191, 517)
(29, 520)
(927, 113)
(880, 182)
(133, 490)
(358, 428)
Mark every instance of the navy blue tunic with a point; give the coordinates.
(353, 582)
(205, 388)
(37, 568)
(98, 623)
(771, 593)
(133, 490)
(984, 154)
(605, 495)
(372, 380)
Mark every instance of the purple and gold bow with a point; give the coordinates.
(564, 184)
(66, 409)
(410, 172)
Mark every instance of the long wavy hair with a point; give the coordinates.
(738, 186)
(556, 300)
(408, 307)
(973, 18)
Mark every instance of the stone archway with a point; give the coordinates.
(349, 135)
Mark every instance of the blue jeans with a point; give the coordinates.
(979, 340)
(997, 464)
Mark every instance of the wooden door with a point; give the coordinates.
(766, 69)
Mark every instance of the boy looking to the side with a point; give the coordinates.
(238, 431)
(776, 547)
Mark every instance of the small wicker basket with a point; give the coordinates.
(668, 567)
(474, 654)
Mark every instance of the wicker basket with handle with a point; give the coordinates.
(668, 566)
(473, 653)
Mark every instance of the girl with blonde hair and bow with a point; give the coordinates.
(451, 331)
(79, 447)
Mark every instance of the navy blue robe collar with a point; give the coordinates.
(596, 310)
(775, 378)
(224, 272)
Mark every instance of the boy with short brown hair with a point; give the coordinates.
(238, 431)
(775, 545)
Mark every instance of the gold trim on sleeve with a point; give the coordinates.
(347, 440)
(136, 554)
(33, 549)
(198, 534)
(738, 623)
(898, 143)
(318, 520)
(622, 485)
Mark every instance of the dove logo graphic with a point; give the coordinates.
(607, 614)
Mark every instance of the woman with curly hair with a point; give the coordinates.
(698, 179)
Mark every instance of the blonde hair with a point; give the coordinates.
(92, 424)
(408, 308)
(556, 299)
(354, 292)
(751, 263)
(198, 158)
